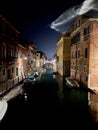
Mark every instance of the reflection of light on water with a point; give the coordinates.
(60, 93)
(25, 96)
(54, 76)
(93, 106)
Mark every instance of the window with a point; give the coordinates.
(3, 72)
(9, 73)
(86, 78)
(78, 37)
(57, 58)
(75, 38)
(16, 53)
(75, 54)
(12, 69)
(86, 52)
(86, 33)
(78, 53)
(16, 71)
(29, 62)
(10, 52)
(85, 68)
(3, 51)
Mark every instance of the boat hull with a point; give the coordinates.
(3, 109)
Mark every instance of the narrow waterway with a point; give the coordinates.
(49, 104)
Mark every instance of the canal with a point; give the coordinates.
(49, 104)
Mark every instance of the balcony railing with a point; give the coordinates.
(11, 58)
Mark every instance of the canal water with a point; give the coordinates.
(50, 104)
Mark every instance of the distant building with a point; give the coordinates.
(54, 61)
(63, 48)
(31, 57)
(84, 51)
(22, 61)
(40, 60)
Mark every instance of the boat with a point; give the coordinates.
(71, 83)
(3, 109)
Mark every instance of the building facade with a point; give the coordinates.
(17, 59)
(31, 57)
(63, 48)
(84, 51)
(40, 61)
(8, 54)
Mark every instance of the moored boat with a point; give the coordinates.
(71, 83)
(3, 108)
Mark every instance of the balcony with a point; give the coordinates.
(2, 59)
(11, 58)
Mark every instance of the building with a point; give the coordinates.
(54, 61)
(8, 54)
(18, 59)
(63, 48)
(40, 60)
(84, 51)
(22, 62)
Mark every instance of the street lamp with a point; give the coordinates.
(25, 58)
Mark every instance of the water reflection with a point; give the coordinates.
(60, 93)
(93, 106)
(51, 102)
(73, 103)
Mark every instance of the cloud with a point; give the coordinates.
(88, 5)
(66, 18)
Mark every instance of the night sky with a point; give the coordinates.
(32, 18)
